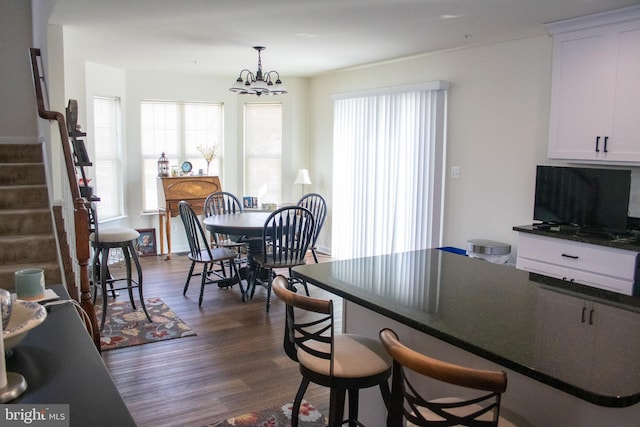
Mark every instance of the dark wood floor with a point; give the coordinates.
(234, 365)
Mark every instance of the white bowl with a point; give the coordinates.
(25, 315)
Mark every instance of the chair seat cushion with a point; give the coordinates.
(355, 357)
(114, 235)
(270, 262)
(218, 254)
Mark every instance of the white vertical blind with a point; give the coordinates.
(388, 171)
(108, 168)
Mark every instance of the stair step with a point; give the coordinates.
(24, 197)
(22, 174)
(52, 274)
(27, 235)
(20, 153)
(25, 221)
(28, 248)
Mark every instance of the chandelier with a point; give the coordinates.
(259, 83)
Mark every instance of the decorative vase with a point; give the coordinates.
(5, 304)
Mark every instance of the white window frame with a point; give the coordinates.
(168, 127)
(263, 152)
(107, 162)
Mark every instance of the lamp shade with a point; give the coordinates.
(303, 177)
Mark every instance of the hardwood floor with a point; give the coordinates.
(235, 364)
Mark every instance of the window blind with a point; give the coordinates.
(108, 168)
(388, 170)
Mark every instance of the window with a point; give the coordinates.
(178, 129)
(263, 152)
(388, 170)
(107, 164)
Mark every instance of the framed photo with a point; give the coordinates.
(147, 242)
(247, 202)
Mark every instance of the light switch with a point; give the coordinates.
(455, 172)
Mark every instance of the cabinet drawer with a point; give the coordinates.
(579, 256)
(596, 280)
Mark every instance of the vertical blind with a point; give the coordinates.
(388, 170)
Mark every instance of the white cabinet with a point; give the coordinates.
(593, 265)
(588, 331)
(595, 92)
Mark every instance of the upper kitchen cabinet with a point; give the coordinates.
(595, 88)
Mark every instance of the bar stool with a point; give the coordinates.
(342, 362)
(102, 243)
(479, 408)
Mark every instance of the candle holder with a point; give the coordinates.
(16, 385)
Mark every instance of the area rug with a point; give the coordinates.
(277, 416)
(125, 327)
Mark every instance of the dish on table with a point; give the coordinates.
(25, 315)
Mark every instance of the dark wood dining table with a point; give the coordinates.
(249, 225)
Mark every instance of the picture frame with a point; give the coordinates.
(146, 244)
(247, 202)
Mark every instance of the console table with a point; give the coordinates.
(193, 189)
(61, 365)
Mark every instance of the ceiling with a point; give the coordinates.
(303, 37)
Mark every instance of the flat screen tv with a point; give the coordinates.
(589, 198)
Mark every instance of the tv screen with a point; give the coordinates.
(596, 199)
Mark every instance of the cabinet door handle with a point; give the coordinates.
(570, 256)
(606, 141)
(583, 310)
(591, 317)
(597, 144)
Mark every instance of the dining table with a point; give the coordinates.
(249, 225)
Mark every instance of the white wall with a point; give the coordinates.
(497, 130)
(18, 107)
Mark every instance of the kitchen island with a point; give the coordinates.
(570, 351)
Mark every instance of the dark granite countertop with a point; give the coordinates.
(505, 315)
(620, 241)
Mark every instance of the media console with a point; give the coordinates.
(599, 261)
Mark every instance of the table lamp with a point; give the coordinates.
(303, 179)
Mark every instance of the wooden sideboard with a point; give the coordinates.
(193, 189)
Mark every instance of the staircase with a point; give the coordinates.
(27, 238)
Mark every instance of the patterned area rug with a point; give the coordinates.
(125, 327)
(278, 416)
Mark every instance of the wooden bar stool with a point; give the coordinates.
(479, 407)
(342, 362)
(102, 243)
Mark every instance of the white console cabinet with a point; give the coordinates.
(602, 267)
(595, 94)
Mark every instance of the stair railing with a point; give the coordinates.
(80, 212)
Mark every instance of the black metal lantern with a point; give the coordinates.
(163, 166)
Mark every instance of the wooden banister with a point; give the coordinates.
(81, 214)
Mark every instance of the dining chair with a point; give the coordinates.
(318, 207)
(224, 203)
(102, 241)
(483, 409)
(201, 253)
(345, 363)
(286, 236)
